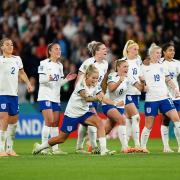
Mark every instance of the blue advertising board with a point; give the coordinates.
(29, 126)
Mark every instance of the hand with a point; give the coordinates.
(146, 89)
(71, 76)
(120, 103)
(142, 78)
(30, 88)
(51, 78)
(99, 97)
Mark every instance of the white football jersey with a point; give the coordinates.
(50, 90)
(120, 93)
(154, 75)
(134, 71)
(9, 70)
(102, 67)
(77, 106)
(174, 71)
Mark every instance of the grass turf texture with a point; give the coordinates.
(156, 165)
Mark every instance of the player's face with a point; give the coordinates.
(92, 79)
(169, 53)
(123, 68)
(7, 47)
(156, 54)
(102, 52)
(133, 51)
(55, 51)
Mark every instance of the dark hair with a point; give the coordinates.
(49, 48)
(94, 46)
(167, 45)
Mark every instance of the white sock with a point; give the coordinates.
(177, 135)
(135, 129)
(54, 132)
(81, 136)
(128, 128)
(92, 132)
(122, 136)
(165, 135)
(102, 143)
(45, 133)
(2, 140)
(144, 137)
(11, 131)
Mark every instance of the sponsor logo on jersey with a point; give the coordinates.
(3, 106)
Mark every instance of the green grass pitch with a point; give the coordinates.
(155, 165)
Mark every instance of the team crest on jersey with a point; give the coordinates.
(148, 110)
(129, 98)
(69, 128)
(48, 104)
(3, 106)
(109, 77)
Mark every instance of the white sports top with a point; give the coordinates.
(120, 93)
(77, 106)
(174, 70)
(9, 70)
(50, 90)
(154, 75)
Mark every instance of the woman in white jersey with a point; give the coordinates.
(130, 53)
(10, 68)
(78, 111)
(51, 78)
(156, 77)
(118, 84)
(174, 70)
(99, 53)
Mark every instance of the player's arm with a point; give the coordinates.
(24, 77)
(112, 86)
(102, 98)
(87, 97)
(171, 84)
(69, 77)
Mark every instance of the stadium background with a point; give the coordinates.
(33, 24)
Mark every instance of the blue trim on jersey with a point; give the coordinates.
(152, 108)
(71, 124)
(132, 99)
(9, 104)
(177, 104)
(43, 105)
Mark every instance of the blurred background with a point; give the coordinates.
(32, 24)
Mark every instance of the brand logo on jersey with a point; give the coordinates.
(3, 106)
(48, 104)
(148, 110)
(69, 128)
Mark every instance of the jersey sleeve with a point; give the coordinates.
(98, 89)
(42, 69)
(84, 66)
(178, 67)
(111, 78)
(79, 87)
(166, 70)
(19, 62)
